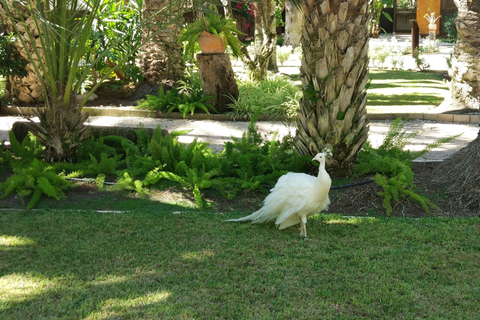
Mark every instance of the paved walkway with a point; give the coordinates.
(218, 132)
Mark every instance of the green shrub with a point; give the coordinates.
(392, 166)
(185, 97)
(450, 28)
(276, 95)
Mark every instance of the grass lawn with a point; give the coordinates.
(405, 88)
(153, 264)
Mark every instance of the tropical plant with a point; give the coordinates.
(186, 96)
(64, 28)
(376, 12)
(334, 76)
(275, 95)
(430, 17)
(213, 23)
(117, 19)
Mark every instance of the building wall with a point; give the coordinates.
(424, 7)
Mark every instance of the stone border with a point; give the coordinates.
(133, 112)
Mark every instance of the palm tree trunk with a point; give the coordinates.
(334, 76)
(465, 71)
(161, 58)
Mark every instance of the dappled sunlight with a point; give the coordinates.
(109, 279)
(10, 242)
(198, 255)
(352, 220)
(117, 308)
(18, 287)
(428, 133)
(214, 132)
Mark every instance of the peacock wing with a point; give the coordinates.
(295, 192)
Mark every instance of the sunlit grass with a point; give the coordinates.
(405, 88)
(152, 264)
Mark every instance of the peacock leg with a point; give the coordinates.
(303, 226)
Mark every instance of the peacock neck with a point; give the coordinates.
(321, 170)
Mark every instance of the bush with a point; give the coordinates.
(449, 28)
(392, 166)
(276, 95)
(186, 97)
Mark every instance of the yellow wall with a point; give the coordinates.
(423, 7)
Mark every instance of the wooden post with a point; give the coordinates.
(217, 79)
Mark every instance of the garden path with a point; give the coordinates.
(218, 132)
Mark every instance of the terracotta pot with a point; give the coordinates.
(432, 27)
(210, 43)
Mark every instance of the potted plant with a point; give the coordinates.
(432, 26)
(213, 33)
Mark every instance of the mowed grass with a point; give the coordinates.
(405, 88)
(149, 264)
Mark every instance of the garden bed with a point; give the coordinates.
(353, 201)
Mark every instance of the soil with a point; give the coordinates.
(362, 200)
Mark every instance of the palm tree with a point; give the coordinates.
(334, 76)
(63, 28)
(161, 57)
(460, 173)
(466, 58)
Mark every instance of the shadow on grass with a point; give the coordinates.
(162, 266)
(147, 265)
(403, 99)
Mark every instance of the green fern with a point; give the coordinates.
(393, 166)
(35, 178)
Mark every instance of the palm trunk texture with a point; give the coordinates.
(334, 76)
(161, 58)
(465, 70)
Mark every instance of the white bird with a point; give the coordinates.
(295, 197)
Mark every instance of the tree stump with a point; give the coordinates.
(217, 79)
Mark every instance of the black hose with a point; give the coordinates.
(352, 184)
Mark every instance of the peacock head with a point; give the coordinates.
(322, 156)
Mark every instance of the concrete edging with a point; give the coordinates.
(133, 112)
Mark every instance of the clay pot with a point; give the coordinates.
(210, 43)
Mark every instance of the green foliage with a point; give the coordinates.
(255, 162)
(450, 28)
(283, 53)
(212, 22)
(106, 165)
(393, 166)
(11, 62)
(249, 162)
(185, 97)
(420, 63)
(275, 95)
(26, 151)
(34, 179)
(118, 33)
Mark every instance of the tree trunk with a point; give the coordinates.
(218, 79)
(265, 39)
(465, 71)
(460, 174)
(161, 58)
(334, 76)
(293, 25)
(26, 90)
